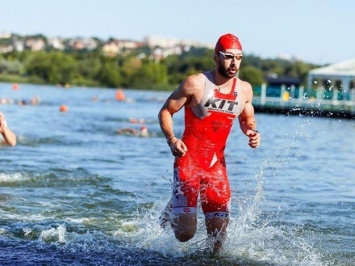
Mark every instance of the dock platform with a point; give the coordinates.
(295, 101)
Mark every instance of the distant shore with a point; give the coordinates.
(276, 105)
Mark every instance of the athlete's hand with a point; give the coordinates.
(254, 138)
(178, 147)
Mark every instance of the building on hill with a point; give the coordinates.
(168, 43)
(5, 35)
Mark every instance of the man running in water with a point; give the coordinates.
(212, 101)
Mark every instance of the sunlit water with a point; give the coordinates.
(74, 192)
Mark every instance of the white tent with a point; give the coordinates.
(343, 72)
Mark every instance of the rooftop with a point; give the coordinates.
(345, 68)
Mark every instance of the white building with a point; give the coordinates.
(5, 35)
(167, 42)
(343, 72)
(336, 78)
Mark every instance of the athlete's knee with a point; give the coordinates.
(184, 232)
(184, 226)
(217, 222)
(184, 235)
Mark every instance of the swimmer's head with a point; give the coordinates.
(227, 41)
(144, 131)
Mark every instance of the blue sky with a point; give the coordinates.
(316, 31)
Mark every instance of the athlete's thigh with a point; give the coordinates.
(215, 190)
(185, 187)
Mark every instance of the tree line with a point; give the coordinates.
(137, 69)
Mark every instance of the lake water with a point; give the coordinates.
(73, 192)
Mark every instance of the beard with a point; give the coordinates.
(229, 72)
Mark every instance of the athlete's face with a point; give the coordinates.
(228, 62)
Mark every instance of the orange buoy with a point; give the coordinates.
(63, 108)
(15, 86)
(120, 95)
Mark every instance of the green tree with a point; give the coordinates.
(89, 67)
(131, 69)
(150, 75)
(53, 67)
(10, 67)
(252, 74)
(109, 75)
(130, 66)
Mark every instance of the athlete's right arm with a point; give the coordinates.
(8, 135)
(179, 98)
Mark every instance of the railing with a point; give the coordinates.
(297, 100)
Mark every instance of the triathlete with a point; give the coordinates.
(212, 101)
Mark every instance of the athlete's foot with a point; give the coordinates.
(217, 248)
(214, 246)
(165, 217)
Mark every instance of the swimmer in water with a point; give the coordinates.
(142, 132)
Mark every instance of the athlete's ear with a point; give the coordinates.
(215, 57)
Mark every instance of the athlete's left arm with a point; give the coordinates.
(247, 119)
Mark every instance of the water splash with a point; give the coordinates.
(253, 237)
(54, 234)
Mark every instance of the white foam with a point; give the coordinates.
(21, 217)
(78, 220)
(12, 178)
(54, 234)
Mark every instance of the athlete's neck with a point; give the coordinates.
(223, 83)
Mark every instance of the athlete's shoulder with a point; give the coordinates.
(245, 85)
(195, 79)
(194, 82)
(247, 90)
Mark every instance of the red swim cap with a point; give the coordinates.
(227, 41)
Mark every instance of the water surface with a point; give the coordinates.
(74, 192)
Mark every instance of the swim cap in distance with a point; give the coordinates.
(227, 41)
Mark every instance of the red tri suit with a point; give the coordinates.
(203, 168)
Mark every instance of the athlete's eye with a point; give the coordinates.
(230, 56)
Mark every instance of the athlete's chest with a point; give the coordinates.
(219, 104)
(224, 104)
